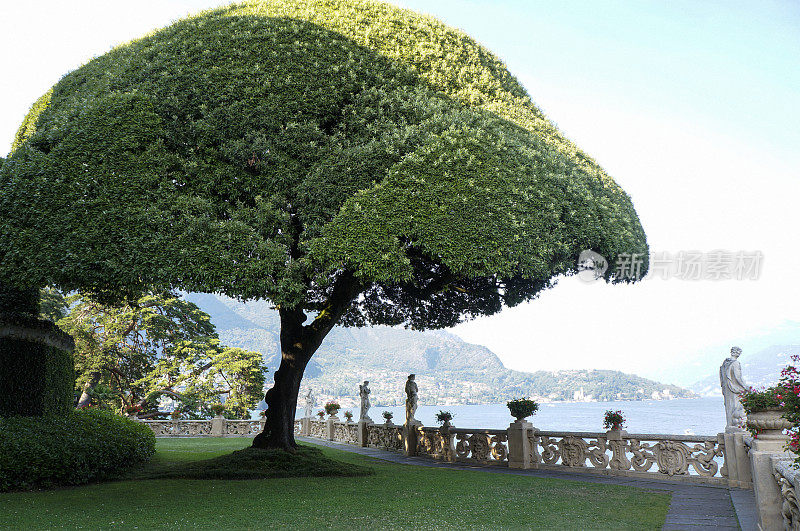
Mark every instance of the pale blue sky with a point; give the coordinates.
(693, 107)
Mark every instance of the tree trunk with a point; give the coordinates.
(298, 344)
(88, 387)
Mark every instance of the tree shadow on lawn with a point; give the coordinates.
(252, 463)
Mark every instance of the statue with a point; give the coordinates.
(730, 378)
(411, 399)
(363, 392)
(309, 404)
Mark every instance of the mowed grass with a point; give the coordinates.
(395, 496)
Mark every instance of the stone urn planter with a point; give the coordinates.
(769, 423)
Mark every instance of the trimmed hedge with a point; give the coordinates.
(84, 446)
(35, 378)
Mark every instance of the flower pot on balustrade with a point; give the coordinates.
(770, 424)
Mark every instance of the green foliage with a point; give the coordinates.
(388, 415)
(84, 446)
(444, 416)
(754, 400)
(35, 378)
(282, 149)
(52, 305)
(521, 408)
(161, 346)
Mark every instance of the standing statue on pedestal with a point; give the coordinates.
(309, 404)
(411, 399)
(730, 378)
(363, 392)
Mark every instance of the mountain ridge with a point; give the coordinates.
(449, 370)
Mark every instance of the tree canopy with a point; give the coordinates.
(133, 355)
(305, 152)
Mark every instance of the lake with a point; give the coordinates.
(699, 416)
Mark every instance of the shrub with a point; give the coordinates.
(217, 408)
(86, 445)
(332, 407)
(388, 415)
(444, 416)
(613, 419)
(522, 407)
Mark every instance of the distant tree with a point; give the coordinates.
(351, 162)
(133, 354)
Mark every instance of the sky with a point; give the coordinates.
(692, 107)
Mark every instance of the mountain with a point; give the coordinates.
(761, 369)
(449, 370)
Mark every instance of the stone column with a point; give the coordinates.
(305, 426)
(410, 434)
(447, 451)
(330, 427)
(363, 432)
(218, 426)
(765, 488)
(519, 445)
(737, 463)
(616, 441)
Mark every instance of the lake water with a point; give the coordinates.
(699, 416)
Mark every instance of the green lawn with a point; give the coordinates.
(396, 496)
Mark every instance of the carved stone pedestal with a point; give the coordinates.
(363, 432)
(330, 427)
(519, 446)
(410, 435)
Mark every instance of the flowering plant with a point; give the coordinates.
(263, 413)
(133, 409)
(762, 399)
(348, 415)
(388, 415)
(444, 416)
(613, 420)
(176, 414)
(321, 414)
(789, 398)
(217, 408)
(332, 407)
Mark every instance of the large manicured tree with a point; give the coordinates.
(352, 162)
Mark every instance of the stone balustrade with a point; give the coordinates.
(216, 427)
(788, 479)
(693, 458)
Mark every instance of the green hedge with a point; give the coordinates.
(35, 378)
(84, 446)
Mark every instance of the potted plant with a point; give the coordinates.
(217, 408)
(765, 410)
(321, 414)
(349, 416)
(332, 408)
(176, 414)
(613, 420)
(444, 418)
(387, 415)
(522, 408)
(133, 410)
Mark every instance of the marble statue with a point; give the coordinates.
(411, 399)
(363, 392)
(309, 404)
(730, 378)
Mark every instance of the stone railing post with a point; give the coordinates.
(519, 445)
(447, 452)
(616, 441)
(305, 426)
(410, 434)
(363, 432)
(737, 463)
(330, 427)
(218, 426)
(771, 443)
